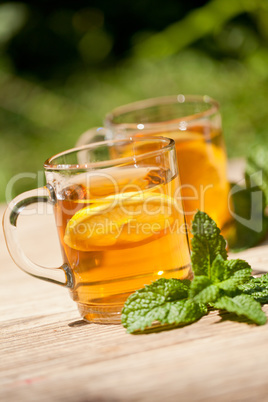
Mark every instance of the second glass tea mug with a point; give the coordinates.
(194, 122)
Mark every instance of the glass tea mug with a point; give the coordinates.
(119, 219)
(194, 123)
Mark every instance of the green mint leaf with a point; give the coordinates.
(181, 312)
(202, 290)
(217, 272)
(166, 289)
(198, 284)
(239, 277)
(221, 269)
(208, 295)
(257, 288)
(242, 305)
(225, 275)
(207, 243)
(232, 266)
(205, 290)
(165, 301)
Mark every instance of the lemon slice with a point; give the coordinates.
(119, 220)
(101, 183)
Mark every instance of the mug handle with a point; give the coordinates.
(62, 275)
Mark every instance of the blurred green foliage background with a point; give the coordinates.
(65, 64)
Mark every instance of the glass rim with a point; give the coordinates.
(164, 100)
(48, 165)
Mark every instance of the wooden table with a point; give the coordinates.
(48, 354)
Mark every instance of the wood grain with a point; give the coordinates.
(49, 354)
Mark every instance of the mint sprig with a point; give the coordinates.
(218, 283)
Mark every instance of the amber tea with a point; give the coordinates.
(202, 167)
(117, 241)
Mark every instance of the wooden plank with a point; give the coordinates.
(62, 359)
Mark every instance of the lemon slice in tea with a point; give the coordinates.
(120, 220)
